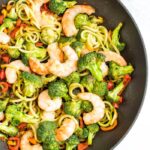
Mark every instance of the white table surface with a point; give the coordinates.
(139, 136)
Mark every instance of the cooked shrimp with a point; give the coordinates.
(48, 115)
(25, 144)
(11, 72)
(4, 38)
(37, 67)
(66, 130)
(69, 16)
(48, 104)
(112, 56)
(64, 69)
(98, 108)
(104, 69)
(2, 116)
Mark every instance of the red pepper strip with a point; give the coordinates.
(5, 86)
(18, 23)
(110, 85)
(5, 58)
(17, 140)
(116, 105)
(83, 146)
(126, 79)
(2, 74)
(39, 44)
(22, 126)
(13, 32)
(81, 122)
(1, 19)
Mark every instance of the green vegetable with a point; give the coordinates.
(45, 130)
(64, 41)
(58, 89)
(15, 115)
(3, 104)
(52, 145)
(72, 142)
(7, 23)
(15, 53)
(59, 6)
(32, 82)
(96, 20)
(87, 106)
(78, 47)
(39, 52)
(48, 35)
(116, 37)
(113, 95)
(116, 71)
(88, 82)
(93, 129)
(81, 20)
(12, 14)
(72, 78)
(8, 129)
(73, 108)
(82, 133)
(100, 88)
(92, 62)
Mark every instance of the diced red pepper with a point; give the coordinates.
(5, 58)
(18, 23)
(110, 85)
(83, 146)
(17, 146)
(5, 86)
(39, 44)
(116, 105)
(2, 74)
(1, 19)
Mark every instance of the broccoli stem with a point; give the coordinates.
(90, 138)
(96, 72)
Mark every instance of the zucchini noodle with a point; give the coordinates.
(63, 117)
(34, 110)
(33, 127)
(110, 115)
(74, 86)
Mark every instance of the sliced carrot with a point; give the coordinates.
(5, 58)
(83, 146)
(18, 23)
(13, 32)
(5, 86)
(32, 141)
(1, 19)
(2, 74)
(110, 127)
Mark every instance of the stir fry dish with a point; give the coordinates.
(61, 75)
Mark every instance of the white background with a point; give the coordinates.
(139, 136)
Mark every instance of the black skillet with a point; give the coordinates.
(114, 12)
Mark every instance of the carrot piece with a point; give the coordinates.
(38, 44)
(22, 126)
(13, 32)
(83, 146)
(32, 141)
(5, 86)
(2, 74)
(5, 58)
(111, 127)
(18, 23)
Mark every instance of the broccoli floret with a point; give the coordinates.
(78, 47)
(88, 82)
(46, 130)
(32, 82)
(8, 129)
(53, 145)
(113, 95)
(15, 115)
(58, 89)
(72, 78)
(87, 106)
(100, 88)
(92, 62)
(93, 129)
(25, 59)
(39, 52)
(116, 71)
(12, 14)
(15, 53)
(116, 37)
(82, 133)
(7, 23)
(72, 142)
(73, 108)
(81, 20)
(3, 104)
(96, 20)
(64, 41)
(59, 6)
(48, 35)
